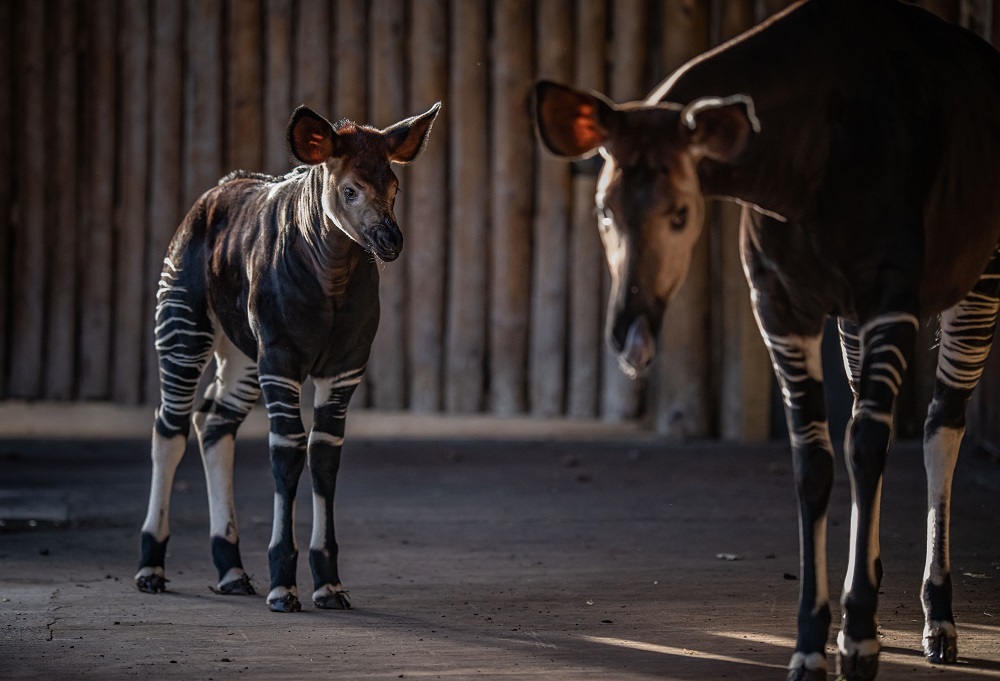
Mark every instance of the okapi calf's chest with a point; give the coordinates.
(277, 277)
(863, 139)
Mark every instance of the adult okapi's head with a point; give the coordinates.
(649, 201)
(359, 187)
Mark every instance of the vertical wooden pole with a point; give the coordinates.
(629, 80)
(744, 408)
(29, 237)
(587, 262)
(946, 9)
(469, 200)
(60, 349)
(202, 104)
(312, 41)
(166, 124)
(767, 8)
(244, 106)
(131, 235)
(7, 173)
(427, 222)
(277, 84)
(95, 351)
(512, 156)
(680, 385)
(350, 60)
(387, 374)
(549, 303)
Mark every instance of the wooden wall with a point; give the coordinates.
(116, 114)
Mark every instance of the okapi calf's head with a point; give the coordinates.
(649, 198)
(359, 187)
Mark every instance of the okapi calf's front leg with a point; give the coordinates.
(325, 442)
(886, 346)
(287, 441)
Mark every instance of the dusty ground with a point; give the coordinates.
(472, 559)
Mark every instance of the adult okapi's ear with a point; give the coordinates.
(571, 123)
(311, 138)
(720, 128)
(406, 139)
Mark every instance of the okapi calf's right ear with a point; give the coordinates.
(311, 138)
(406, 139)
(571, 123)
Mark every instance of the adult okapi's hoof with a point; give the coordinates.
(285, 602)
(857, 667)
(941, 643)
(331, 599)
(237, 587)
(152, 583)
(807, 667)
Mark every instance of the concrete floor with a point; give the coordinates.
(472, 559)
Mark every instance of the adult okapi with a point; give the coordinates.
(278, 278)
(863, 139)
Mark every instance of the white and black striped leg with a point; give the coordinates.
(850, 347)
(184, 342)
(797, 365)
(228, 400)
(287, 441)
(325, 441)
(886, 346)
(966, 336)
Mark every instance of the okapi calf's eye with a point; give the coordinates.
(280, 285)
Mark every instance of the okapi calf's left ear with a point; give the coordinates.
(311, 138)
(720, 128)
(571, 123)
(405, 140)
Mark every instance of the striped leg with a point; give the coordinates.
(228, 400)
(886, 346)
(325, 440)
(966, 336)
(287, 441)
(184, 341)
(797, 365)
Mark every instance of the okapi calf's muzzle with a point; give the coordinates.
(384, 239)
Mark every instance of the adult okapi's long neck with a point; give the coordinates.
(785, 71)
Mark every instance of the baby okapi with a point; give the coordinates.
(863, 139)
(278, 278)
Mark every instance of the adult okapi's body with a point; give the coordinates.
(863, 138)
(278, 277)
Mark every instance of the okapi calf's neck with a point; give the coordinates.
(861, 137)
(277, 277)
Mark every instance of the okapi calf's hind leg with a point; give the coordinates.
(184, 342)
(325, 442)
(228, 400)
(886, 343)
(966, 336)
(287, 441)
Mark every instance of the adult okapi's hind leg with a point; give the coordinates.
(184, 341)
(228, 400)
(966, 336)
(886, 342)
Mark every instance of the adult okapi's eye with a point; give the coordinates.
(350, 194)
(679, 218)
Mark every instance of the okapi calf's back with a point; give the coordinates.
(863, 139)
(278, 278)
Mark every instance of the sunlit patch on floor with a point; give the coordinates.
(680, 652)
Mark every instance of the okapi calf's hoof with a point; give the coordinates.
(941, 643)
(149, 581)
(331, 598)
(803, 674)
(807, 667)
(240, 586)
(283, 600)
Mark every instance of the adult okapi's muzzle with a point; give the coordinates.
(384, 239)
